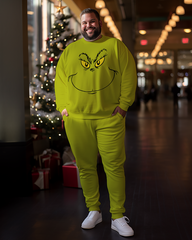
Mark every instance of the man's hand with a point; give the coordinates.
(119, 110)
(64, 112)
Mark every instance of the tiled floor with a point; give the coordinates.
(158, 186)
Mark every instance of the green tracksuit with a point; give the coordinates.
(92, 79)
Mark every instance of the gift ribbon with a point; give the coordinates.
(40, 181)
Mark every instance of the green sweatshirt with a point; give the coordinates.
(93, 78)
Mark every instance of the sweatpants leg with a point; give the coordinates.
(107, 135)
(82, 139)
(110, 136)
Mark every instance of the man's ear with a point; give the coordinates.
(100, 22)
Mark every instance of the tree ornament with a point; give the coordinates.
(60, 7)
(34, 99)
(38, 105)
(51, 59)
(60, 45)
(51, 71)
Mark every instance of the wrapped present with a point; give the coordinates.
(71, 175)
(44, 160)
(40, 179)
(51, 159)
(67, 155)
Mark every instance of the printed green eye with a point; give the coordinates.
(99, 62)
(85, 64)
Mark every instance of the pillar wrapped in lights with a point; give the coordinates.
(168, 28)
(113, 29)
(175, 17)
(107, 19)
(180, 10)
(172, 23)
(164, 37)
(157, 47)
(164, 33)
(104, 12)
(110, 24)
(154, 53)
(100, 4)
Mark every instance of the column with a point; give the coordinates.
(16, 148)
(175, 67)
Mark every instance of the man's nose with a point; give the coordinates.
(88, 24)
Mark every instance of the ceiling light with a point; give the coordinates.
(160, 54)
(104, 12)
(153, 61)
(187, 30)
(146, 54)
(168, 28)
(141, 54)
(100, 4)
(165, 53)
(160, 61)
(107, 18)
(175, 17)
(142, 32)
(172, 23)
(147, 61)
(180, 10)
(188, 1)
(168, 60)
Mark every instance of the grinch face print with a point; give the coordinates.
(89, 77)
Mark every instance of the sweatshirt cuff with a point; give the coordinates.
(123, 106)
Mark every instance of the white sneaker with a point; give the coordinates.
(121, 226)
(93, 218)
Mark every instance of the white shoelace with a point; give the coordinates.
(124, 220)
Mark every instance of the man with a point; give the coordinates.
(95, 84)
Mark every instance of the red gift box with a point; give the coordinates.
(40, 179)
(51, 159)
(44, 160)
(71, 175)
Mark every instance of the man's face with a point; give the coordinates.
(90, 26)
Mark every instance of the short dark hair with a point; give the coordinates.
(90, 10)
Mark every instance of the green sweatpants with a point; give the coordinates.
(86, 138)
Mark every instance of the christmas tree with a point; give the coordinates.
(44, 115)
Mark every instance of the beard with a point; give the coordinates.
(96, 33)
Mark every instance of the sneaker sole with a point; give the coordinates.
(98, 221)
(120, 233)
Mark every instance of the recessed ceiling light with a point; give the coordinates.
(187, 30)
(142, 32)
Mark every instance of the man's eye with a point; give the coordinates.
(99, 62)
(85, 64)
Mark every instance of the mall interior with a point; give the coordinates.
(158, 166)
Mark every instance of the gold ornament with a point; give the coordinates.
(60, 8)
(34, 99)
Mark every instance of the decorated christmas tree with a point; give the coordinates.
(44, 115)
